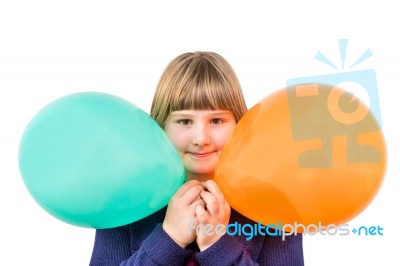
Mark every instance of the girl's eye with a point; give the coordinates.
(216, 121)
(184, 122)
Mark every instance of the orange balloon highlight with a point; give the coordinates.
(294, 158)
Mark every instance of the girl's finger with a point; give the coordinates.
(212, 204)
(201, 214)
(191, 195)
(185, 187)
(213, 188)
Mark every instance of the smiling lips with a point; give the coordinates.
(200, 155)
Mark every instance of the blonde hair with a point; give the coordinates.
(197, 81)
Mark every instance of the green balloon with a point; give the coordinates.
(95, 160)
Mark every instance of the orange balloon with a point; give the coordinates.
(309, 154)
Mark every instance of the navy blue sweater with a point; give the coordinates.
(145, 243)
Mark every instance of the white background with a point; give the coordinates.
(49, 49)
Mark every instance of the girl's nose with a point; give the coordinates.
(201, 136)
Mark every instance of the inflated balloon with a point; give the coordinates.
(95, 160)
(309, 154)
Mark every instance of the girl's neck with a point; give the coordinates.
(201, 178)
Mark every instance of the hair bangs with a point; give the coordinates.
(204, 89)
(202, 97)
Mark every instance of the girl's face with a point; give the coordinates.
(199, 136)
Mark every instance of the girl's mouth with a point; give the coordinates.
(200, 155)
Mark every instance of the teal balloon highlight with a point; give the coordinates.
(96, 160)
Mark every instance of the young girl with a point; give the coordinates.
(198, 102)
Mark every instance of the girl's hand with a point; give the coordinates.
(180, 220)
(216, 212)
